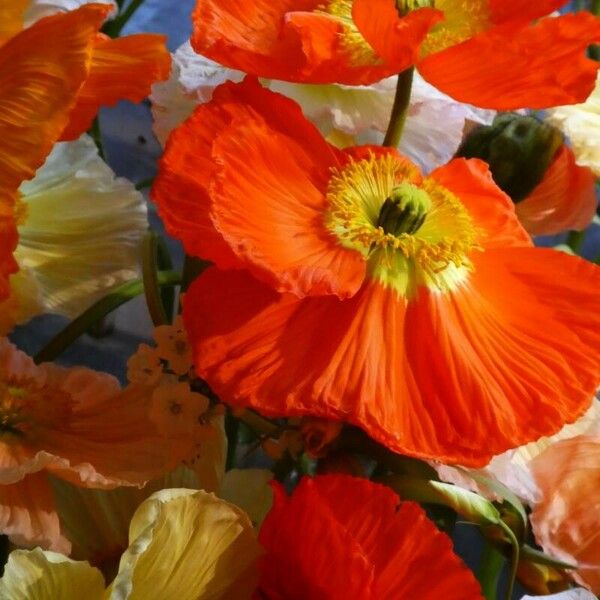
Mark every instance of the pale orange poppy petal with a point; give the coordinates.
(12, 14)
(28, 515)
(514, 370)
(565, 520)
(121, 69)
(394, 38)
(539, 66)
(492, 210)
(564, 199)
(41, 71)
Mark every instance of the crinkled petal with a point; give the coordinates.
(491, 209)
(578, 594)
(121, 69)
(28, 514)
(34, 574)
(343, 537)
(515, 370)
(564, 199)
(524, 10)
(41, 72)
(188, 545)
(565, 520)
(581, 124)
(83, 229)
(529, 72)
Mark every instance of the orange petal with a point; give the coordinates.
(565, 519)
(492, 210)
(564, 199)
(250, 139)
(514, 370)
(394, 38)
(540, 66)
(28, 515)
(250, 37)
(12, 14)
(41, 71)
(121, 69)
(523, 10)
(344, 537)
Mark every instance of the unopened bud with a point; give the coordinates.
(519, 149)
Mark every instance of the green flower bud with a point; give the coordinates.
(405, 210)
(518, 149)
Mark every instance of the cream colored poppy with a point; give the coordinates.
(80, 230)
(183, 544)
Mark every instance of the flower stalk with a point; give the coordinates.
(399, 109)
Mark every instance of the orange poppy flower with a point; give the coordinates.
(80, 426)
(454, 45)
(344, 537)
(564, 199)
(54, 76)
(358, 290)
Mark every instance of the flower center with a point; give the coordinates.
(357, 48)
(405, 6)
(462, 20)
(411, 230)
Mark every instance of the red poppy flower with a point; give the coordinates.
(54, 76)
(342, 537)
(358, 290)
(564, 199)
(455, 45)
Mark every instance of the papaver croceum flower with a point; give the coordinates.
(54, 76)
(454, 44)
(78, 425)
(343, 537)
(351, 288)
(566, 519)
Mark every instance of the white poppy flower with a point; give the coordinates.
(80, 230)
(39, 9)
(581, 124)
(345, 114)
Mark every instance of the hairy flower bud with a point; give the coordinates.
(519, 150)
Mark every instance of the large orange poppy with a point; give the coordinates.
(490, 53)
(352, 288)
(54, 76)
(341, 537)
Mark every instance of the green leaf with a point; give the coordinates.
(469, 505)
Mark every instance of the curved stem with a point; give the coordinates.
(514, 560)
(490, 569)
(152, 290)
(400, 108)
(113, 28)
(575, 240)
(60, 342)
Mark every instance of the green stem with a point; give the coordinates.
(60, 342)
(232, 426)
(514, 559)
(400, 109)
(152, 288)
(113, 28)
(575, 240)
(596, 7)
(490, 569)
(145, 183)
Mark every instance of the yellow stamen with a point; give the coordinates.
(436, 253)
(358, 49)
(462, 20)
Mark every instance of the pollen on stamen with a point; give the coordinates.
(435, 254)
(358, 49)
